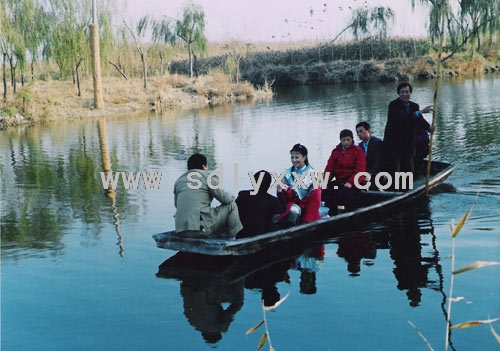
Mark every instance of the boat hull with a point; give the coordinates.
(377, 202)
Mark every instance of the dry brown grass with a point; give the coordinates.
(54, 100)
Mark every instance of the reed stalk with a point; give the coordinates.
(266, 336)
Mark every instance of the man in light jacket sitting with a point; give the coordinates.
(194, 191)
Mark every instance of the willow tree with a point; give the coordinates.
(191, 30)
(21, 36)
(466, 22)
(371, 21)
(32, 27)
(3, 48)
(476, 18)
(68, 41)
(12, 40)
(163, 32)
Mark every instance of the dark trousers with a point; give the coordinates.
(400, 162)
(336, 194)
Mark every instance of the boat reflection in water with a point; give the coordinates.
(403, 235)
(354, 248)
(208, 283)
(206, 286)
(411, 267)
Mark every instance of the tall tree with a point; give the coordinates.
(467, 21)
(379, 17)
(371, 21)
(68, 41)
(3, 49)
(12, 41)
(163, 32)
(143, 26)
(191, 30)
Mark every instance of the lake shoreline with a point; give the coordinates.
(49, 101)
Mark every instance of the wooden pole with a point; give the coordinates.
(96, 58)
(436, 89)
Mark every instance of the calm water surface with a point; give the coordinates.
(80, 270)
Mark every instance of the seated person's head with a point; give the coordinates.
(266, 181)
(298, 154)
(197, 161)
(363, 130)
(346, 138)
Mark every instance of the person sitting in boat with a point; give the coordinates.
(345, 161)
(194, 191)
(302, 202)
(372, 148)
(257, 210)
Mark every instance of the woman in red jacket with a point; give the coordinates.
(345, 161)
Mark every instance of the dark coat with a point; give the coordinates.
(257, 211)
(399, 135)
(373, 155)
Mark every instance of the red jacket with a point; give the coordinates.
(345, 164)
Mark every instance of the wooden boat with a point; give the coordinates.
(374, 202)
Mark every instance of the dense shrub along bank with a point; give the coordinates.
(368, 60)
(309, 65)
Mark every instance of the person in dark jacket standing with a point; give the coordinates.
(399, 137)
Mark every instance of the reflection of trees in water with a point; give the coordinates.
(51, 181)
(32, 217)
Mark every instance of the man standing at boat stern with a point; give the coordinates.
(403, 118)
(193, 194)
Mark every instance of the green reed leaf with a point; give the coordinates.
(474, 323)
(477, 264)
(262, 341)
(268, 308)
(251, 330)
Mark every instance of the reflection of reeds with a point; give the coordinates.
(266, 336)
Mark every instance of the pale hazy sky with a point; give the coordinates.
(260, 20)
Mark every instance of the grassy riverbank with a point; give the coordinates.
(47, 99)
(43, 101)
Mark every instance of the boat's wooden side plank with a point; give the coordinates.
(210, 246)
